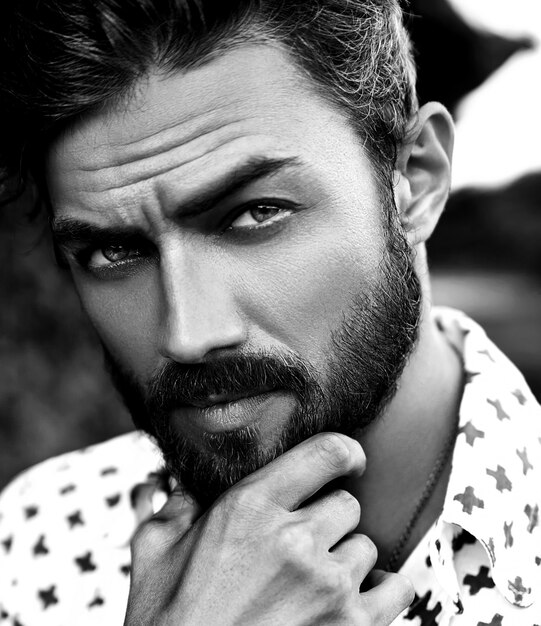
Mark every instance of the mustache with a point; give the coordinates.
(237, 375)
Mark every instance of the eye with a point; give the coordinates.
(259, 216)
(111, 255)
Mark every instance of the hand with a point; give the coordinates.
(257, 556)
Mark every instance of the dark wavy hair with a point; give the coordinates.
(62, 59)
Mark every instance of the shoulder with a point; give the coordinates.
(81, 475)
(65, 528)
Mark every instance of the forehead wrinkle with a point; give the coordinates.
(120, 153)
(201, 117)
(116, 177)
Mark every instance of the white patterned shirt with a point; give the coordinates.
(66, 524)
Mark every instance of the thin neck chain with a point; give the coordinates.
(428, 490)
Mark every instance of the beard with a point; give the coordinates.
(365, 359)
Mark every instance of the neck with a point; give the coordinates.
(403, 446)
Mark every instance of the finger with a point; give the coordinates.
(295, 476)
(149, 496)
(375, 577)
(360, 552)
(392, 594)
(179, 510)
(332, 516)
(158, 535)
(141, 501)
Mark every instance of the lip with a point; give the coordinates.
(237, 412)
(218, 399)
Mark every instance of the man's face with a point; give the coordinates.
(232, 248)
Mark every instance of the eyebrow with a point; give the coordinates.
(69, 231)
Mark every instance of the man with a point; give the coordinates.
(243, 195)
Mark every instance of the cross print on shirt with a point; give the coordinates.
(523, 456)
(500, 413)
(518, 588)
(75, 519)
(48, 596)
(481, 581)
(502, 482)
(533, 516)
(471, 433)
(468, 500)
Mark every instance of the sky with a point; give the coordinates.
(498, 133)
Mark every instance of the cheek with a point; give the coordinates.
(125, 317)
(298, 295)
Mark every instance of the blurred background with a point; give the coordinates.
(482, 59)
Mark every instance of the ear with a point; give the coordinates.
(423, 171)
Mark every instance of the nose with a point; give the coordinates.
(199, 313)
